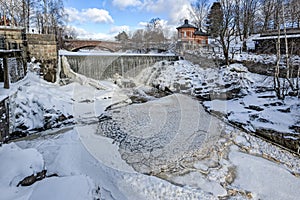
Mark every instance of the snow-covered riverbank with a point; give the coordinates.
(100, 152)
(243, 98)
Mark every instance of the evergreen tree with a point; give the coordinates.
(215, 19)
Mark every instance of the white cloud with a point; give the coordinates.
(175, 9)
(73, 15)
(83, 34)
(168, 29)
(98, 15)
(92, 14)
(118, 29)
(143, 24)
(126, 3)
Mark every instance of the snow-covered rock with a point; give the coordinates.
(17, 164)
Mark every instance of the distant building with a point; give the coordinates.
(190, 37)
(266, 43)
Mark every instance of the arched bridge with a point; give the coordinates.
(75, 45)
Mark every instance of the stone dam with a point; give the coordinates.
(104, 66)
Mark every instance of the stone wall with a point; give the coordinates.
(13, 38)
(44, 49)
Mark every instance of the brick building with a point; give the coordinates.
(190, 37)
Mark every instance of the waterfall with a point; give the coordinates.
(83, 80)
(100, 67)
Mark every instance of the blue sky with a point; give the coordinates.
(104, 19)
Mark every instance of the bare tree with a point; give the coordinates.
(294, 11)
(283, 85)
(249, 9)
(138, 39)
(199, 11)
(11, 10)
(154, 32)
(222, 25)
(267, 9)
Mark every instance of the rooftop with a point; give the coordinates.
(186, 25)
(200, 33)
(276, 37)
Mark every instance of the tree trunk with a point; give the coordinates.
(277, 85)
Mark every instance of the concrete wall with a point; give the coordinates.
(44, 49)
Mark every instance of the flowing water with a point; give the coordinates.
(105, 66)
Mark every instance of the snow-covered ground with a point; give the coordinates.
(242, 97)
(102, 151)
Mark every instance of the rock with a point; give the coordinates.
(295, 128)
(138, 99)
(279, 138)
(264, 120)
(62, 117)
(50, 75)
(16, 135)
(278, 103)
(29, 180)
(254, 107)
(287, 110)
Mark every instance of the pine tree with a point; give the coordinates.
(215, 19)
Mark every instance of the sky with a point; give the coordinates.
(104, 19)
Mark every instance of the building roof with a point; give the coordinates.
(200, 33)
(276, 37)
(186, 25)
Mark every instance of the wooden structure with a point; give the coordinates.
(13, 52)
(4, 118)
(190, 37)
(266, 43)
(4, 72)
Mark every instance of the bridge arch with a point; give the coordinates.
(92, 46)
(75, 45)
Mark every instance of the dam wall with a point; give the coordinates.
(101, 67)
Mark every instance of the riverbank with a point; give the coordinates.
(166, 147)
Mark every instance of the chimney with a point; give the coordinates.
(186, 21)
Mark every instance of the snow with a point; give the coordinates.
(254, 173)
(218, 84)
(32, 107)
(197, 180)
(16, 164)
(98, 146)
(78, 188)
(79, 157)
(65, 155)
(11, 173)
(188, 153)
